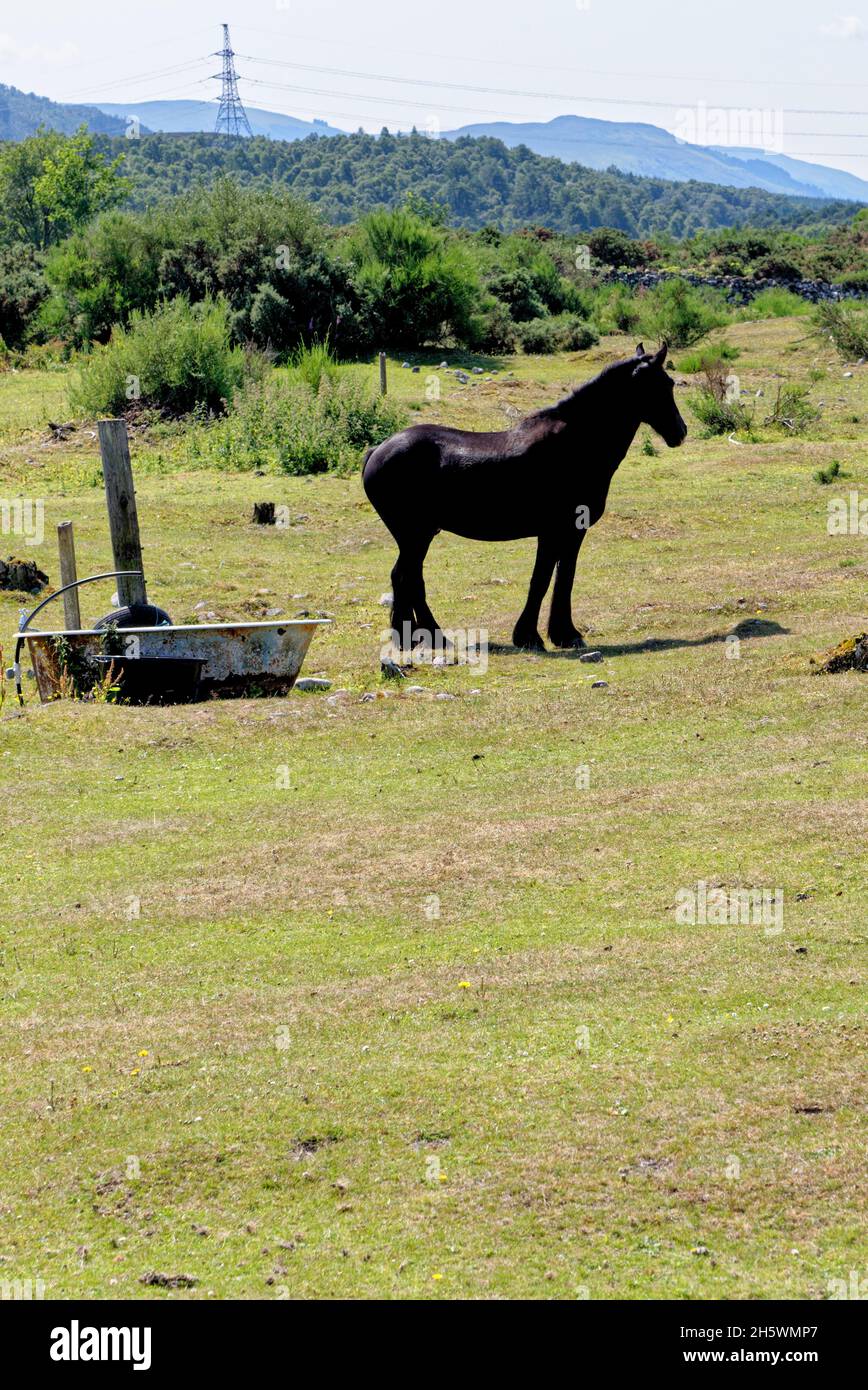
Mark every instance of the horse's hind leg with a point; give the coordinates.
(525, 632)
(402, 604)
(427, 626)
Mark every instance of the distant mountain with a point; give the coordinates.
(824, 182)
(22, 113)
(636, 148)
(177, 117)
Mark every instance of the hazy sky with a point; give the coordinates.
(681, 64)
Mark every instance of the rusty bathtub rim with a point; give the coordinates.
(274, 623)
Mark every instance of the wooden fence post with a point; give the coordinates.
(382, 374)
(68, 575)
(121, 501)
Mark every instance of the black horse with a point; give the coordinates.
(548, 477)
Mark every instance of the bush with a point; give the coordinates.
(617, 309)
(708, 357)
(22, 291)
(681, 314)
(612, 247)
(557, 333)
(846, 323)
(793, 410)
(286, 426)
(497, 332)
(774, 304)
(177, 359)
(422, 287)
(714, 408)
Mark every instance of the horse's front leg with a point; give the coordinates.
(525, 632)
(562, 630)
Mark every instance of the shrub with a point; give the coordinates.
(286, 426)
(557, 333)
(846, 323)
(612, 247)
(828, 475)
(22, 290)
(617, 309)
(497, 332)
(774, 304)
(704, 358)
(681, 314)
(793, 410)
(422, 287)
(717, 411)
(177, 359)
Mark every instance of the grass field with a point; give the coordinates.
(334, 997)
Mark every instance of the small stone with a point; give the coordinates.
(415, 690)
(405, 364)
(847, 375)
(591, 656)
(273, 612)
(443, 366)
(444, 695)
(313, 683)
(385, 600)
(600, 685)
(415, 369)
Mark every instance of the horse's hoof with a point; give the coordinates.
(573, 641)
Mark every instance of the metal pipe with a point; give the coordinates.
(110, 574)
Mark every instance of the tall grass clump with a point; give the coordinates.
(285, 426)
(176, 359)
(314, 363)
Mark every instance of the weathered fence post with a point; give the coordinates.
(68, 575)
(382, 374)
(121, 501)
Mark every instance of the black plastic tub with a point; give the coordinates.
(154, 680)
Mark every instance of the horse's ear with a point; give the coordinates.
(660, 357)
(640, 350)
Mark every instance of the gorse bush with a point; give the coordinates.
(176, 360)
(557, 333)
(422, 287)
(286, 426)
(680, 313)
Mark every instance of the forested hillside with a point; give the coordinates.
(478, 181)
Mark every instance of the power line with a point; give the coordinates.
(516, 91)
(548, 67)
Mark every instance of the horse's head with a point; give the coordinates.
(656, 394)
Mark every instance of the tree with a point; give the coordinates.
(76, 183)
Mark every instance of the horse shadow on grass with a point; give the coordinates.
(746, 630)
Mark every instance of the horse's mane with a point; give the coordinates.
(567, 404)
